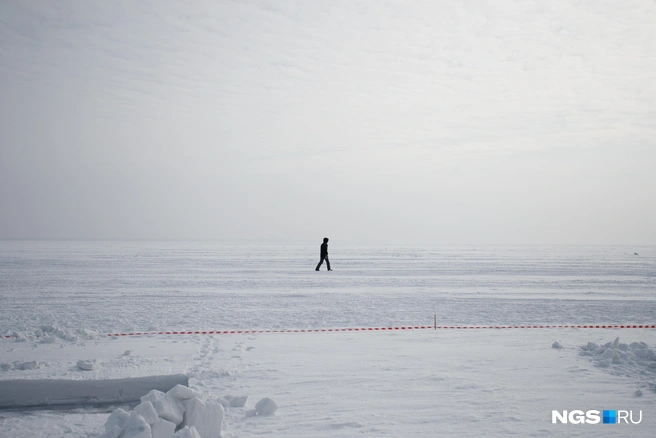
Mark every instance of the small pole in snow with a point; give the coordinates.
(435, 322)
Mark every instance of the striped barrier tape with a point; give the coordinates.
(377, 329)
(388, 329)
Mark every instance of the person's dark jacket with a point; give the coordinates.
(324, 249)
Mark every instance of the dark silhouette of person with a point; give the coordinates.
(324, 254)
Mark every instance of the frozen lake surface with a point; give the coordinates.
(58, 300)
(178, 286)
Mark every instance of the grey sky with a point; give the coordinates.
(365, 121)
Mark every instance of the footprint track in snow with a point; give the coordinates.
(203, 360)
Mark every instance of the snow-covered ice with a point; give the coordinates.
(58, 301)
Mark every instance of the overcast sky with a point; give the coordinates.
(437, 122)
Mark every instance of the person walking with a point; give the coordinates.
(324, 254)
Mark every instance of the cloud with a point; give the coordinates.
(142, 105)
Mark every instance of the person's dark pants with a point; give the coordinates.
(321, 262)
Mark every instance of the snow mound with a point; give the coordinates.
(636, 359)
(21, 366)
(236, 402)
(48, 334)
(264, 407)
(160, 414)
(87, 365)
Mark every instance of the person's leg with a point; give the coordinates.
(328, 263)
(319, 265)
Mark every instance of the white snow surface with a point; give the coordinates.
(58, 300)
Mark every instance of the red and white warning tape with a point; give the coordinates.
(390, 329)
(377, 329)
